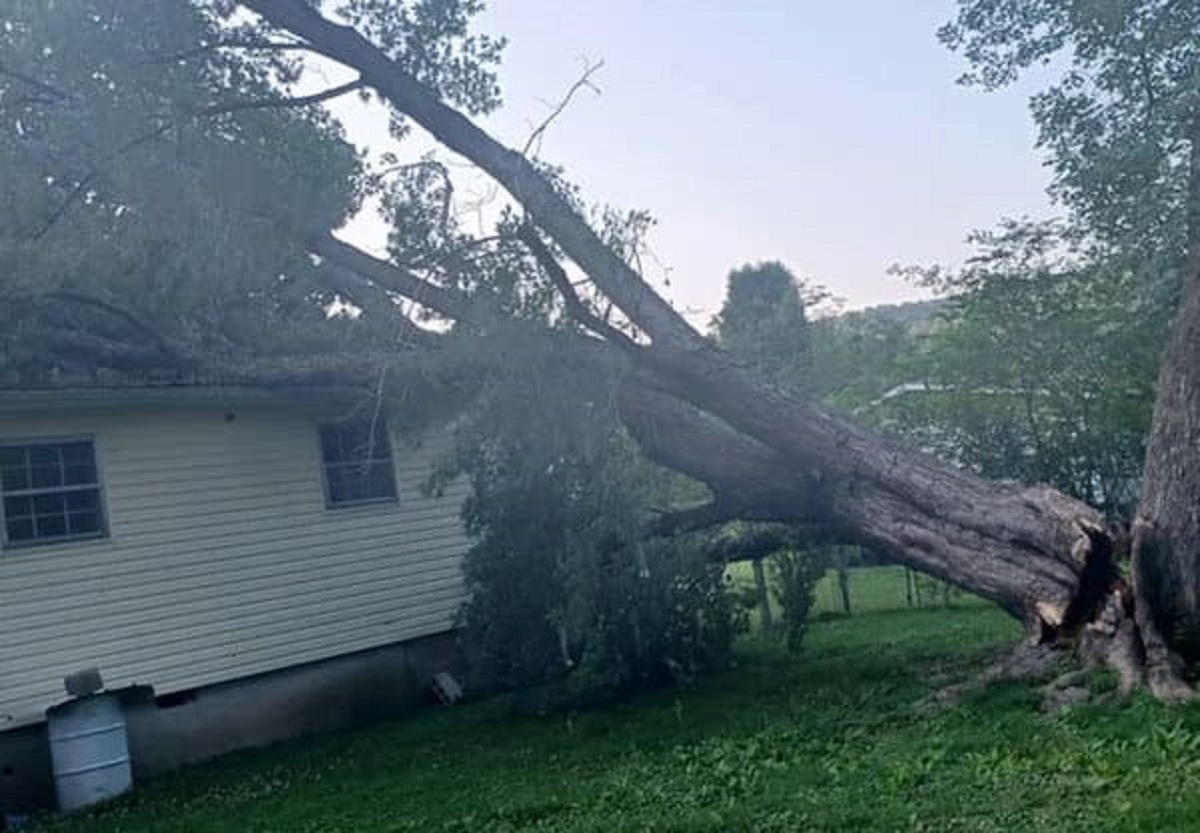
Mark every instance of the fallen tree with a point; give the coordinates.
(767, 454)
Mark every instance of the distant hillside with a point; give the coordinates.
(912, 312)
(914, 317)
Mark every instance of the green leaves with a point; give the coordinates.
(795, 576)
(431, 40)
(133, 187)
(763, 321)
(1039, 367)
(559, 578)
(1120, 115)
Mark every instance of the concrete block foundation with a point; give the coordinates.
(177, 729)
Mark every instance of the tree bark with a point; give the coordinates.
(1166, 533)
(1029, 549)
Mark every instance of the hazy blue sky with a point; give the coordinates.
(827, 134)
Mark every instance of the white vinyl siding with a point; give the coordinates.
(222, 559)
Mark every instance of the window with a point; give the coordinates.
(49, 492)
(357, 459)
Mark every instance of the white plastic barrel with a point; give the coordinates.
(89, 751)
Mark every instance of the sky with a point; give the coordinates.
(827, 134)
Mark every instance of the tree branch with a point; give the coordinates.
(696, 518)
(447, 197)
(82, 186)
(30, 81)
(374, 299)
(101, 351)
(280, 103)
(545, 205)
(576, 308)
(448, 302)
(757, 543)
(117, 312)
(251, 45)
(748, 480)
(585, 81)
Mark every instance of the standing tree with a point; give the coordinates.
(1122, 135)
(763, 321)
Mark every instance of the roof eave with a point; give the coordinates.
(25, 400)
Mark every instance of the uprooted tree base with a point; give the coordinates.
(1111, 641)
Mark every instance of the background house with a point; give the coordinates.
(263, 558)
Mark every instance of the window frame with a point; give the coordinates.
(338, 506)
(105, 529)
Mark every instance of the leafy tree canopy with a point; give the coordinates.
(1040, 368)
(1119, 122)
(763, 319)
(164, 158)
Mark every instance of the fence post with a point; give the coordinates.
(764, 597)
(843, 576)
(908, 585)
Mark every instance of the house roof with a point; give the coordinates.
(54, 357)
(104, 397)
(38, 376)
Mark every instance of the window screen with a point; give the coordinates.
(49, 491)
(357, 461)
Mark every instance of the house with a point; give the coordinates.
(247, 562)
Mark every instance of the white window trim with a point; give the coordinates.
(105, 532)
(366, 503)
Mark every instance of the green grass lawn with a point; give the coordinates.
(829, 740)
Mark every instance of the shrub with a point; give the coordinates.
(541, 609)
(558, 582)
(795, 575)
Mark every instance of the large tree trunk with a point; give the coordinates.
(1042, 556)
(1166, 534)
(1030, 549)
(766, 454)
